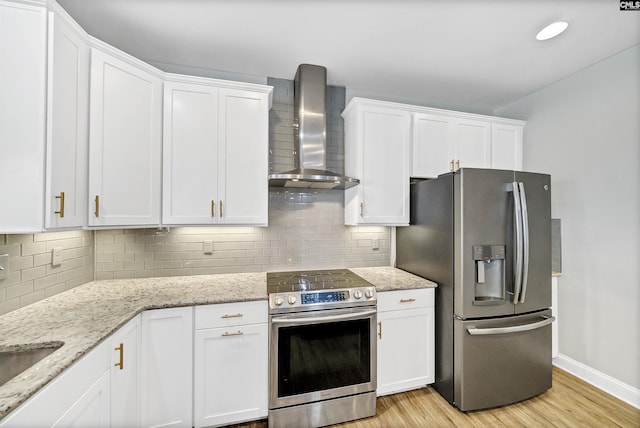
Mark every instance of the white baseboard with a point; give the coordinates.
(610, 385)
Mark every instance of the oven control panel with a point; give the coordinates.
(324, 297)
(311, 300)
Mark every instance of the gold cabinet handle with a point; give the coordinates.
(238, 315)
(61, 212)
(121, 349)
(237, 333)
(380, 330)
(220, 208)
(407, 300)
(97, 212)
(213, 208)
(451, 166)
(361, 209)
(458, 164)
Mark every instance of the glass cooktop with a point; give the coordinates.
(312, 280)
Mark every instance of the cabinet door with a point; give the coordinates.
(125, 143)
(166, 367)
(67, 125)
(190, 154)
(472, 144)
(506, 146)
(231, 374)
(22, 116)
(432, 152)
(383, 168)
(244, 157)
(78, 394)
(405, 350)
(125, 356)
(92, 409)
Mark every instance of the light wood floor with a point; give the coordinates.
(571, 402)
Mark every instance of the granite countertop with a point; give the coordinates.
(83, 317)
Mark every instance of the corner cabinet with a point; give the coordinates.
(99, 390)
(231, 357)
(406, 340)
(125, 140)
(215, 152)
(377, 143)
(67, 123)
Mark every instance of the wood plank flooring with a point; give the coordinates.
(570, 402)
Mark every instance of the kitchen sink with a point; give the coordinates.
(15, 361)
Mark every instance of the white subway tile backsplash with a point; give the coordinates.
(306, 231)
(31, 277)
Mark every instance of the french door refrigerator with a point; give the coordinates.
(485, 237)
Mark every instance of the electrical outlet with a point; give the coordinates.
(4, 266)
(56, 256)
(375, 244)
(208, 247)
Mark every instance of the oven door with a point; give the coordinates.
(321, 355)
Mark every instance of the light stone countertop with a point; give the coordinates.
(388, 278)
(83, 317)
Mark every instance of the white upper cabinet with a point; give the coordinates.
(67, 124)
(472, 144)
(125, 141)
(190, 154)
(387, 143)
(445, 141)
(428, 157)
(506, 146)
(215, 152)
(377, 140)
(244, 156)
(23, 52)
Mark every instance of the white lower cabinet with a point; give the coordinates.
(144, 374)
(405, 340)
(125, 375)
(80, 396)
(166, 368)
(92, 409)
(230, 363)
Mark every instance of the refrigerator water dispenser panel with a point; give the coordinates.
(490, 283)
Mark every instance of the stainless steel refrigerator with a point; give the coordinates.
(485, 237)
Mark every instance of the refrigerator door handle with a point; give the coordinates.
(525, 242)
(517, 257)
(514, 329)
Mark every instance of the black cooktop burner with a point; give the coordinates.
(282, 282)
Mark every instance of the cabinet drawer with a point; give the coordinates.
(228, 314)
(405, 299)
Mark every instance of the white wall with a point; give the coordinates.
(585, 131)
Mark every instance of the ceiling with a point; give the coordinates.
(476, 55)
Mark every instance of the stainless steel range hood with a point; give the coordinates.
(309, 137)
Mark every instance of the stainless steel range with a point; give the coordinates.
(322, 351)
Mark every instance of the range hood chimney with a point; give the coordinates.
(309, 137)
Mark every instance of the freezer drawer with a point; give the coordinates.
(501, 361)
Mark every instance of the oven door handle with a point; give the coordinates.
(344, 317)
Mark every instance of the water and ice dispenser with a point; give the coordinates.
(489, 265)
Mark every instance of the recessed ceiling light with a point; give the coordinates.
(552, 30)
